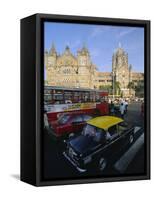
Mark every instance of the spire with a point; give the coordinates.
(67, 50)
(53, 45)
(120, 50)
(46, 52)
(130, 67)
(84, 49)
(84, 45)
(53, 50)
(119, 44)
(67, 47)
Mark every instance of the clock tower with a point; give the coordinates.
(121, 71)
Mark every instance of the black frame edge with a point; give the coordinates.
(27, 95)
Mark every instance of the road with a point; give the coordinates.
(56, 166)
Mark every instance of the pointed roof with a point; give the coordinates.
(120, 51)
(46, 51)
(67, 50)
(84, 48)
(52, 50)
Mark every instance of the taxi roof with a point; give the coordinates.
(104, 122)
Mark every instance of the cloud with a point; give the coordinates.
(125, 32)
(98, 31)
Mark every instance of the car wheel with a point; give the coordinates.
(102, 164)
(131, 139)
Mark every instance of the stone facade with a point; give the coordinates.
(68, 70)
(103, 79)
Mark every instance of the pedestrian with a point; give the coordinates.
(46, 122)
(126, 106)
(122, 110)
(112, 108)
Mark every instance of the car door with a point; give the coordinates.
(77, 123)
(65, 124)
(115, 143)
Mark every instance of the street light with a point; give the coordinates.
(113, 91)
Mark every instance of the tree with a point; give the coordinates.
(106, 87)
(131, 86)
(139, 89)
(117, 88)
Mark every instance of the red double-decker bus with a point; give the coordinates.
(59, 100)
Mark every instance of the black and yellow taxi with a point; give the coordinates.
(100, 140)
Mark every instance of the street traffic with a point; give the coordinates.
(128, 160)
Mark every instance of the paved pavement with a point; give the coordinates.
(133, 115)
(56, 166)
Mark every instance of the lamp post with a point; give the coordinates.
(113, 91)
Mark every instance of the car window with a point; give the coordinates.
(77, 118)
(112, 130)
(89, 130)
(86, 117)
(100, 135)
(63, 119)
(96, 133)
(121, 129)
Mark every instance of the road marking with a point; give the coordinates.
(122, 164)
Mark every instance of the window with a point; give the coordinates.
(95, 133)
(63, 119)
(89, 130)
(77, 119)
(112, 130)
(86, 117)
(67, 71)
(122, 127)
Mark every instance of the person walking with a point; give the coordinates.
(126, 106)
(112, 108)
(122, 110)
(46, 122)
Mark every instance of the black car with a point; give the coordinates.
(101, 140)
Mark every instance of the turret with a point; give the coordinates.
(83, 56)
(52, 56)
(52, 51)
(46, 58)
(67, 50)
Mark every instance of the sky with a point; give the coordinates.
(101, 40)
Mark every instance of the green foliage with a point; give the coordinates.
(106, 87)
(117, 89)
(131, 85)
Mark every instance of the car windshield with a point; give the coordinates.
(63, 119)
(96, 133)
(89, 130)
